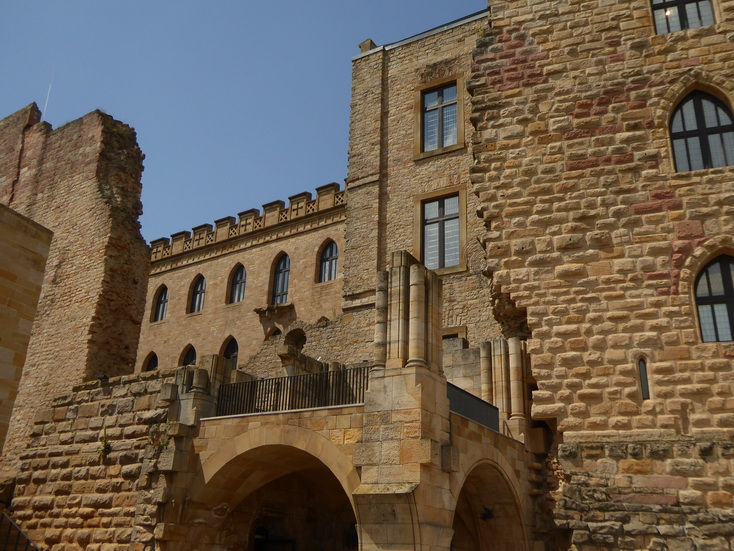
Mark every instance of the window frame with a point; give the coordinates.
(701, 132)
(197, 295)
(418, 227)
(331, 263)
(225, 347)
(238, 286)
(680, 5)
(418, 152)
(280, 296)
(727, 298)
(185, 354)
(151, 359)
(160, 305)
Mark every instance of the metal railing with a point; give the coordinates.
(12, 538)
(475, 409)
(307, 391)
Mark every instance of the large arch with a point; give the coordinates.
(489, 512)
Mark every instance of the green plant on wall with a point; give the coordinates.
(105, 447)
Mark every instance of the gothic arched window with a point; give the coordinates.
(231, 352)
(280, 280)
(152, 363)
(715, 299)
(237, 285)
(702, 132)
(161, 304)
(328, 262)
(197, 295)
(189, 356)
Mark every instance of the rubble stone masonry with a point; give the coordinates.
(591, 231)
(81, 181)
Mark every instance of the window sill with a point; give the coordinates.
(328, 282)
(436, 152)
(152, 323)
(451, 270)
(192, 314)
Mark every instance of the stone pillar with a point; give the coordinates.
(501, 378)
(398, 305)
(417, 337)
(381, 319)
(485, 371)
(517, 420)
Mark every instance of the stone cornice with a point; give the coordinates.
(251, 228)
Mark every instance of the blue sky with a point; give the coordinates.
(235, 103)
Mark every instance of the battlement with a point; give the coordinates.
(275, 213)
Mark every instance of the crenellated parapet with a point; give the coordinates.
(275, 219)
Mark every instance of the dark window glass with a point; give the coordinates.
(237, 289)
(676, 15)
(715, 300)
(280, 280)
(644, 384)
(161, 304)
(702, 132)
(190, 356)
(230, 353)
(197, 295)
(441, 240)
(329, 260)
(439, 118)
(152, 363)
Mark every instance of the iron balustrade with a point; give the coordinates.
(307, 391)
(12, 538)
(475, 409)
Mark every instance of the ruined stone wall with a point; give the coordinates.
(389, 176)
(91, 477)
(590, 231)
(82, 181)
(301, 237)
(23, 251)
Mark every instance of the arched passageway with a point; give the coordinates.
(488, 515)
(272, 498)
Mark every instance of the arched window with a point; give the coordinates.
(280, 280)
(715, 299)
(329, 262)
(676, 15)
(237, 285)
(152, 363)
(161, 304)
(702, 132)
(197, 295)
(189, 356)
(230, 353)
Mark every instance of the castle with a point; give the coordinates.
(511, 329)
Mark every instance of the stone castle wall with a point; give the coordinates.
(23, 251)
(590, 231)
(82, 181)
(388, 177)
(92, 475)
(301, 236)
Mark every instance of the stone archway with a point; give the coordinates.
(488, 514)
(271, 489)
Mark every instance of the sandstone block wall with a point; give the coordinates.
(300, 234)
(23, 251)
(590, 231)
(387, 179)
(92, 475)
(82, 181)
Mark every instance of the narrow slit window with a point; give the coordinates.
(644, 381)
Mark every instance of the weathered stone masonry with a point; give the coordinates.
(592, 233)
(81, 181)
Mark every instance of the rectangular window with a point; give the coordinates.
(438, 117)
(441, 235)
(676, 15)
